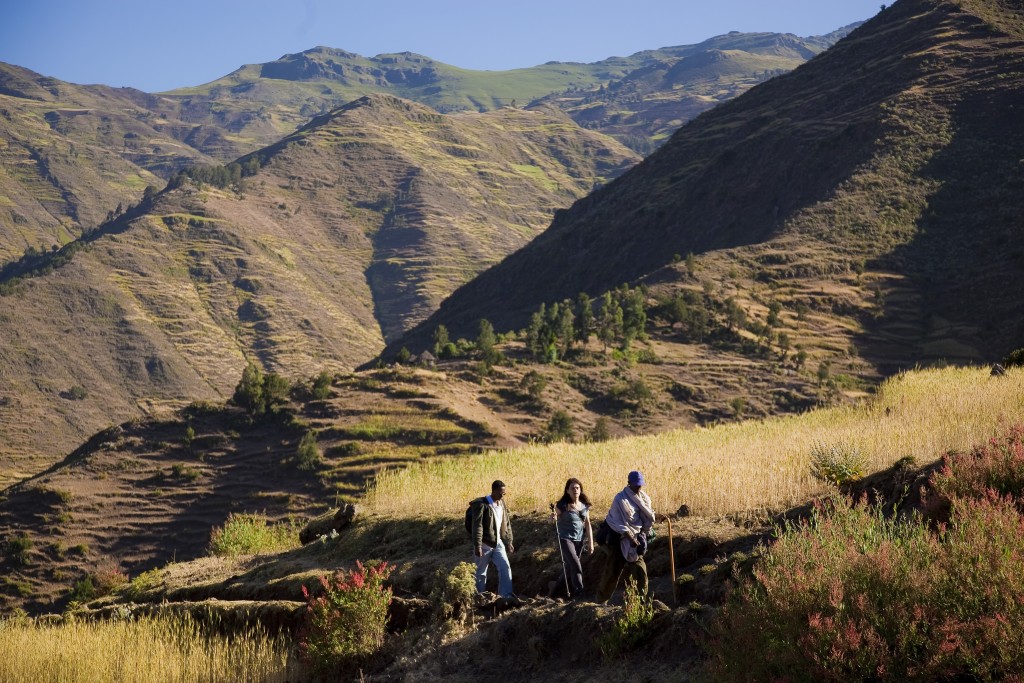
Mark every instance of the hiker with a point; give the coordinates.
(629, 519)
(572, 520)
(492, 535)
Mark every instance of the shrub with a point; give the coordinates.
(260, 393)
(838, 463)
(322, 385)
(18, 548)
(307, 456)
(533, 383)
(249, 534)
(559, 427)
(452, 595)
(998, 465)
(631, 627)
(601, 430)
(853, 595)
(1014, 358)
(345, 622)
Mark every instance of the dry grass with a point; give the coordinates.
(140, 651)
(748, 466)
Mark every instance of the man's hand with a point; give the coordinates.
(511, 548)
(479, 551)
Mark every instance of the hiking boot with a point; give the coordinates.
(512, 600)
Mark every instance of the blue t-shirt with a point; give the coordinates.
(570, 523)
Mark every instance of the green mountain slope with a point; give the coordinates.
(889, 166)
(351, 230)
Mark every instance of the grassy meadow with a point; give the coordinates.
(750, 466)
(143, 651)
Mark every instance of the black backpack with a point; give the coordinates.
(469, 515)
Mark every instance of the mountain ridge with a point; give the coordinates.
(823, 188)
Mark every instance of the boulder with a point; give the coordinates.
(332, 520)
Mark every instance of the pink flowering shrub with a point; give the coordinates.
(852, 594)
(345, 622)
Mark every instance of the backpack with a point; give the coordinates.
(469, 516)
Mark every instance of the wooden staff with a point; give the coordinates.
(672, 562)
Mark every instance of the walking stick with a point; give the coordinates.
(558, 542)
(672, 562)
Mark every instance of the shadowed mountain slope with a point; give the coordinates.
(350, 230)
(895, 154)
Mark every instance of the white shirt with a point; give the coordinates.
(499, 514)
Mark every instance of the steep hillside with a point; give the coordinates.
(56, 177)
(887, 168)
(663, 89)
(71, 154)
(353, 229)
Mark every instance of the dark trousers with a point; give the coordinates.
(571, 565)
(613, 566)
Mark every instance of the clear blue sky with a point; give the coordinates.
(157, 46)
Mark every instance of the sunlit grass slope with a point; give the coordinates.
(144, 651)
(754, 465)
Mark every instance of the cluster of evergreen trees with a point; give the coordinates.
(618, 317)
(217, 175)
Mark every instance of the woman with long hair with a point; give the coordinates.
(572, 519)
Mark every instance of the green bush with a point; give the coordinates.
(248, 534)
(345, 623)
(307, 456)
(19, 546)
(558, 428)
(1014, 358)
(452, 595)
(260, 393)
(837, 463)
(322, 385)
(631, 627)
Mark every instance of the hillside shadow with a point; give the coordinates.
(965, 262)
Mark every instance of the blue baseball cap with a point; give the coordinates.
(636, 478)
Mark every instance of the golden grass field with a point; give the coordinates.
(749, 466)
(143, 651)
(752, 466)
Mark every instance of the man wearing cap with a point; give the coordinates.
(631, 516)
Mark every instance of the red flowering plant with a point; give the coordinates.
(346, 619)
(854, 593)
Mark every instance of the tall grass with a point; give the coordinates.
(143, 651)
(730, 468)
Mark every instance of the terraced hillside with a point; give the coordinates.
(346, 233)
(70, 155)
(891, 161)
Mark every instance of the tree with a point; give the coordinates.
(535, 334)
(691, 264)
(609, 320)
(441, 340)
(249, 390)
(260, 393)
(584, 318)
(485, 342)
(565, 332)
(634, 315)
(559, 427)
